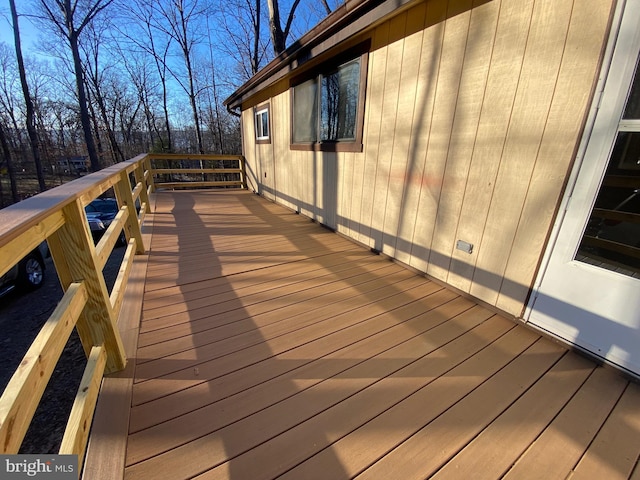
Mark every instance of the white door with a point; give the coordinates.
(588, 292)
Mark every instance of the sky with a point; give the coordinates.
(227, 80)
(28, 32)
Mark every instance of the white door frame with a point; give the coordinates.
(564, 247)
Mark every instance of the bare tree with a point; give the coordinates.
(38, 73)
(9, 102)
(7, 119)
(152, 42)
(94, 70)
(181, 19)
(326, 6)
(240, 20)
(70, 19)
(6, 156)
(146, 89)
(29, 120)
(278, 35)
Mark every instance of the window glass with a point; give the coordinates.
(265, 124)
(339, 103)
(262, 124)
(305, 108)
(632, 110)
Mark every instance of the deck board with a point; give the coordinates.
(270, 347)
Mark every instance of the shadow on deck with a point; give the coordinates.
(270, 347)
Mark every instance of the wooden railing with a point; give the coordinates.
(191, 171)
(58, 217)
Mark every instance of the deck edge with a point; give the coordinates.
(106, 450)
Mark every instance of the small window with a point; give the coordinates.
(328, 108)
(262, 124)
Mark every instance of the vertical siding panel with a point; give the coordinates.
(425, 98)
(276, 144)
(308, 194)
(311, 164)
(346, 168)
(249, 149)
(299, 167)
(334, 170)
(578, 72)
(539, 75)
(455, 34)
(292, 166)
(357, 185)
(322, 186)
(504, 72)
(319, 186)
(314, 185)
(341, 215)
(377, 69)
(354, 192)
(266, 152)
(389, 111)
(282, 152)
(473, 81)
(326, 187)
(283, 156)
(406, 103)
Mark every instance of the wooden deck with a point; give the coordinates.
(270, 347)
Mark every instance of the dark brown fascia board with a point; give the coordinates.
(348, 20)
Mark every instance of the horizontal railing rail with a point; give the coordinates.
(197, 171)
(58, 217)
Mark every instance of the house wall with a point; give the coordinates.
(473, 115)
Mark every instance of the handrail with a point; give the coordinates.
(58, 216)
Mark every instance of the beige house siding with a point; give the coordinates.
(473, 114)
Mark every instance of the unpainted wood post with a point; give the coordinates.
(75, 259)
(144, 194)
(125, 197)
(148, 168)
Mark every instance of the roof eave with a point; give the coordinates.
(358, 14)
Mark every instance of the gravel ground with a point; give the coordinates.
(22, 315)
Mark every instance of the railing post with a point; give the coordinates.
(75, 259)
(140, 178)
(148, 167)
(124, 196)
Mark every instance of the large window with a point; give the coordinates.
(328, 107)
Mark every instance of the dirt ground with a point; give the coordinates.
(22, 315)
